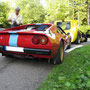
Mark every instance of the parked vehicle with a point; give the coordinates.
(35, 41)
(71, 26)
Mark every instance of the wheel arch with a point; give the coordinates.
(60, 41)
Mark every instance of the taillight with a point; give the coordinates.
(43, 40)
(36, 40)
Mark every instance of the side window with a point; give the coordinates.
(68, 26)
(64, 25)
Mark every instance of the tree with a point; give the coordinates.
(67, 9)
(32, 11)
(58, 10)
(4, 9)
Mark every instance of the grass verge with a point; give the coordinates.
(73, 74)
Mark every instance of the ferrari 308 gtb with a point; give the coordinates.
(35, 40)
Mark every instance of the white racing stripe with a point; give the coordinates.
(14, 49)
(69, 50)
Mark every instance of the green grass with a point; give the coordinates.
(73, 74)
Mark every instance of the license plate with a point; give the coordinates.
(14, 49)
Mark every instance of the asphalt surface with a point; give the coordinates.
(82, 43)
(24, 74)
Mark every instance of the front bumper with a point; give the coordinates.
(29, 51)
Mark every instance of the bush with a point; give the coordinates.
(84, 28)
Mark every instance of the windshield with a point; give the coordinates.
(64, 25)
(37, 27)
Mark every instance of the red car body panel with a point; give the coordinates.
(23, 38)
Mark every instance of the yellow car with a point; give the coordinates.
(71, 26)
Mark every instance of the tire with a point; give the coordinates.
(60, 55)
(78, 40)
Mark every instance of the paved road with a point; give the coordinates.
(23, 74)
(82, 43)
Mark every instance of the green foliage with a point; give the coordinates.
(63, 9)
(80, 8)
(84, 28)
(4, 9)
(73, 74)
(56, 10)
(32, 11)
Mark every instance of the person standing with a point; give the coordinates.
(15, 18)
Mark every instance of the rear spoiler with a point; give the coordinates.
(88, 34)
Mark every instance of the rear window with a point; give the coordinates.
(37, 27)
(64, 25)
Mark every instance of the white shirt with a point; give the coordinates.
(17, 18)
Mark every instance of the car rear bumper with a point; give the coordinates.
(37, 51)
(29, 51)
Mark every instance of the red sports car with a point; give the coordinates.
(36, 41)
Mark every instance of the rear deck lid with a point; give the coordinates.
(29, 29)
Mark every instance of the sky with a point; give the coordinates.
(43, 2)
(12, 3)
